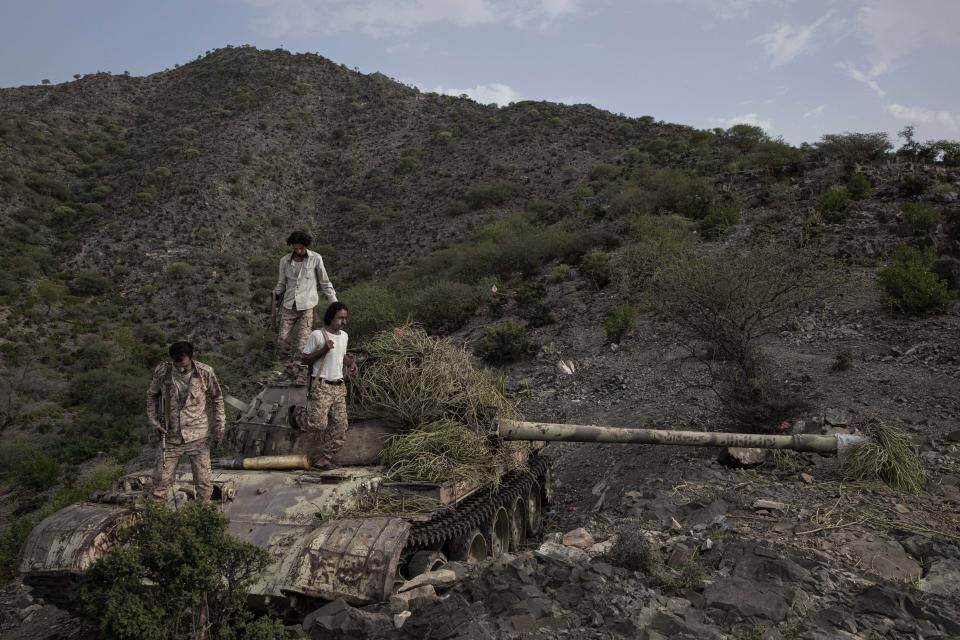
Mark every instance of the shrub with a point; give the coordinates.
(673, 191)
(532, 305)
(629, 202)
(855, 147)
(180, 270)
(597, 268)
(922, 217)
(621, 320)
(93, 209)
(48, 186)
(12, 538)
(721, 217)
(445, 306)
(504, 343)
(87, 283)
(656, 241)
(730, 300)
(834, 205)
(372, 308)
(911, 186)
(36, 471)
(108, 391)
(171, 573)
(910, 285)
(492, 194)
(948, 270)
(858, 186)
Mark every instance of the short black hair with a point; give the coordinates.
(180, 349)
(332, 311)
(299, 237)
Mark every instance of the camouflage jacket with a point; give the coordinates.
(188, 421)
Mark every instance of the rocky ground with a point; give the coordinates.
(660, 542)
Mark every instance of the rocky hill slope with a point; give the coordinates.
(139, 210)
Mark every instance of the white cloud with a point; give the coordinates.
(892, 28)
(867, 76)
(748, 118)
(733, 9)
(785, 42)
(918, 114)
(816, 111)
(380, 17)
(498, 93)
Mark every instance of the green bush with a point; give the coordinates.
(87, 283)
(108, 391)
(855, 147)
(833, 205)
(504, 343)
(673, 191)
(445, 306)
(948, 270)
(180, 270)
(11, 539)
(655, 241)
(858, 186)
(621, 320)
(486, 195)
(922, 217)
(532, 305)
(36, 471)
(597, 268)
(911, 186)
(372, 307)
(910, 285)
(721, 217)
(48, 186)
(171, 572)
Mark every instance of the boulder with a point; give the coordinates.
(885, 558)
(769, 505)
(743, 457)
(413, 599)
(579, 538)
(749, 599)
(337, 620)
(943, 578)
(564, 553)
(440, 579)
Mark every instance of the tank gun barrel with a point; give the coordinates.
(518, 430)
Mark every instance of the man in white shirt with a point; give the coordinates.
(302, 276)
(326, 352)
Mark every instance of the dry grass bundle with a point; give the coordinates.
(384, 502)
(420, 379)
(887, 456)
(446, 451)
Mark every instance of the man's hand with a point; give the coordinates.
(351, 363)
(330, 345)
(159, 429)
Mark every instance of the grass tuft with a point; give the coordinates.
(887, 456)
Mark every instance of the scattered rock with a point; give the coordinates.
(769, 505)
(743, 457)
(943, 578)
(340, 621)
(440, 579)
(413, 599)
(564, 553)
(400, 618)
(745, 598)
(885, 558)
(807, 478)
(579, 538)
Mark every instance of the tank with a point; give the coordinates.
(321, 548)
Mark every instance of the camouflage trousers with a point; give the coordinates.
(199, 453)
(290, 341)
(326, 420)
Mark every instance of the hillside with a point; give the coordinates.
(135, 211)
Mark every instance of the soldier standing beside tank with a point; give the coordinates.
(177, 410)
(327, 404)
(301, 277)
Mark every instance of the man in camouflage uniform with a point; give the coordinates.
(177, 410)
(326, 352)
(302, 276)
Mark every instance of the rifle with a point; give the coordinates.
(273, 309)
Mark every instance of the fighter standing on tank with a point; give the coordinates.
(177, 410)
(302, 275)
(327, 404)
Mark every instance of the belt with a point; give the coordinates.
(334, 382)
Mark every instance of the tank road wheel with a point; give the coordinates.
(518, 523)
(534, 504)
(471, 547)
(423, 561)
(498, 532)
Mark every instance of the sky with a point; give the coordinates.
(797, 68)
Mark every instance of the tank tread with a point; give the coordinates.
(474, 510)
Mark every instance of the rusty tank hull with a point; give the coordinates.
(308, 520)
